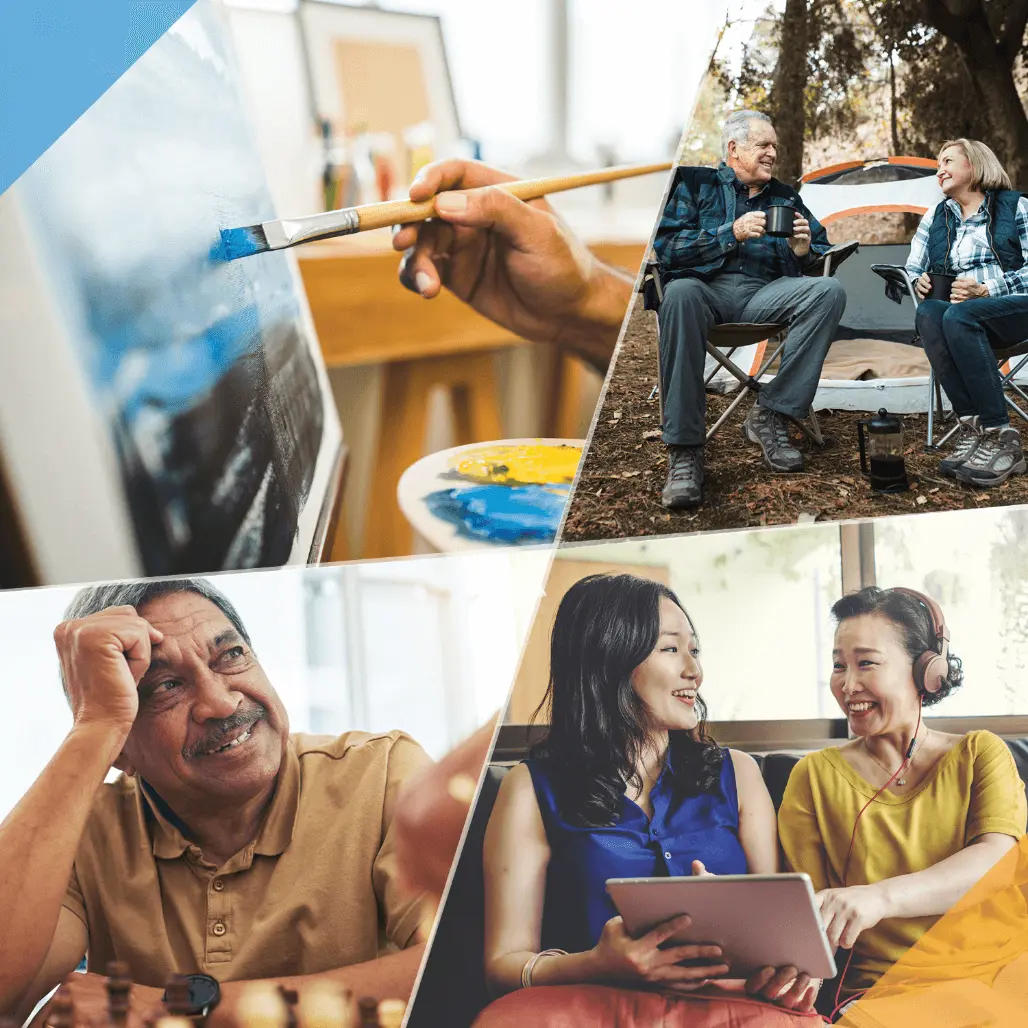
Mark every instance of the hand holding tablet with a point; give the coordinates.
(646, 956)
(760, 922)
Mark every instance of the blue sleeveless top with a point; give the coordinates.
(683, 829)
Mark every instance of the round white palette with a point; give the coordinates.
(437, 473)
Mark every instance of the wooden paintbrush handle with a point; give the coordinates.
(393, 212)
(402, 212)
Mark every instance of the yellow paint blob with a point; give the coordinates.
(524, 465)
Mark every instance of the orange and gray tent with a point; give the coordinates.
(872, 363)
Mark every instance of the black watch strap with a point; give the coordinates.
(204, 994)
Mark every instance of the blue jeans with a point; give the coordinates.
(958, 339)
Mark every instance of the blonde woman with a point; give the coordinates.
(979, 233)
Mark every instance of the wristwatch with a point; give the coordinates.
(204, 995)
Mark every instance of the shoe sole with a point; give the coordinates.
(754, 438)
(680, 504)
(1015, 469)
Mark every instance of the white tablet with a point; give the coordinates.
(757, 920)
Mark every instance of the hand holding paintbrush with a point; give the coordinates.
(515, 262)
(286, 232)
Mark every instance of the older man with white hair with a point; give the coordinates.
(719, 265)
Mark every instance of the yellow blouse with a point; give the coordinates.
(974, 789)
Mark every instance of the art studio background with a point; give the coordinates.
(164, 410)
(428, 645)
(551, 88)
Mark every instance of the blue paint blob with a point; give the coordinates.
(500, 513)
(239, 242)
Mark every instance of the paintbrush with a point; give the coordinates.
(278, 235)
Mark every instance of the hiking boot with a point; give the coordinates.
(997, 457)
(768, 429)
(684, 486)
(969, 435)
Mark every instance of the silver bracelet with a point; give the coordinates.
(526, 971)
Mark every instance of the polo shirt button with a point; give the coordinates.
(219, 928)
(667, 854)
(218, 884)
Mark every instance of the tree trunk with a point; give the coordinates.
(994, 88)
(787, 107)
(990, 65)
(893, 119)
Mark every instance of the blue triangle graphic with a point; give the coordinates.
(58, 57)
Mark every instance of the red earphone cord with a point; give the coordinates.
(846, 865)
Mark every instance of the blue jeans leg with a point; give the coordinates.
(929, 322)
(971, 329)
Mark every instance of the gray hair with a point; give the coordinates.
(737, 128)
(96, 598)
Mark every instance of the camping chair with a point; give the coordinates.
(731, 336)
(896, 276)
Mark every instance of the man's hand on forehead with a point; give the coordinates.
(103, 656)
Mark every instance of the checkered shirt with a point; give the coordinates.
(971, 254)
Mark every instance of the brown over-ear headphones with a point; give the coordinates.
(931, 668)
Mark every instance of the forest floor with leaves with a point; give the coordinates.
(625, 467)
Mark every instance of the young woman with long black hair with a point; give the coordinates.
(626, 784)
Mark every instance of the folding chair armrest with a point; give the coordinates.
(828, 263)
(650, 285)
(896, 274)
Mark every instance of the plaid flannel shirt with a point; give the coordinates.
(971, 254)
(682, 241)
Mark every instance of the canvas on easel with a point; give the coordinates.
(162, 410)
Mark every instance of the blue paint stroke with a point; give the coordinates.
(239, 242)
(500, 513)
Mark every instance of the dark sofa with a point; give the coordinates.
(452, 989)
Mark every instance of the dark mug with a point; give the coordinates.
(780, 221)
(942, 286)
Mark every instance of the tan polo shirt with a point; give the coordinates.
(317, 889)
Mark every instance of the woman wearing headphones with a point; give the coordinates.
(897, 825)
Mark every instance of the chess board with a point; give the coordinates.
(323, 1004)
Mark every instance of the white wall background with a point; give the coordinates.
(760, 603)
(427, 645)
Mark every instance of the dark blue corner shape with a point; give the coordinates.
(58, 57)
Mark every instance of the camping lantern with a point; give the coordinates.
(881, 452)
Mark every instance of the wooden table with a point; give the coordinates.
(364, 316)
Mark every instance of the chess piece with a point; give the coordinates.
(119, 988)
(367, 1007)
(289, 998)
(177, 998)
(62, 1009)
(390, 1013)
(261, 1005)
(325, 1005)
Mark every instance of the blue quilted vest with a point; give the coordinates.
(1002, 230)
